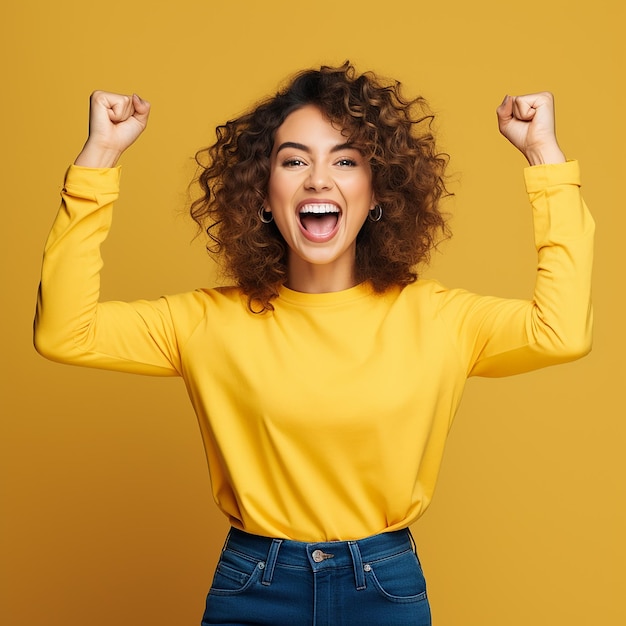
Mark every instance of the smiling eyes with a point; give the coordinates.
(347, 162)
(295, 162)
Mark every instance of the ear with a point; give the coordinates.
(374, 201)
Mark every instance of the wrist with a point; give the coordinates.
(97, 156)
(545, 155)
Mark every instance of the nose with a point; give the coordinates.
(319, 178)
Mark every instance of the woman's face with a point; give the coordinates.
(320, 192)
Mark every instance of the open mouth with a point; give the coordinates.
(319, 220)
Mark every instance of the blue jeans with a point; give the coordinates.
(372, 581)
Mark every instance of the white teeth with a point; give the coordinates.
(319, 208)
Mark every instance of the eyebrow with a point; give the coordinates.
(300, 146)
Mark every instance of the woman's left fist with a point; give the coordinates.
(528, 123)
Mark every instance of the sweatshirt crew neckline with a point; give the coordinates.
(327, 299)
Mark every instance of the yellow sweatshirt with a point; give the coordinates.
(325, 419)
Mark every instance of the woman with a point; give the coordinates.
(326, 379)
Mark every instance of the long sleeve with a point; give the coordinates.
(499, 337)
(71, 326)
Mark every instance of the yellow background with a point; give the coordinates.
(106, 511)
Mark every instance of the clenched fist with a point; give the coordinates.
(528, 123)
(115, 122)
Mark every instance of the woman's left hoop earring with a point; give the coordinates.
(263, 213)
(375, 214)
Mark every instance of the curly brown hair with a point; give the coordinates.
(394, 134)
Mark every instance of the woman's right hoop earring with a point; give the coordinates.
(375, 214)
(262, 213)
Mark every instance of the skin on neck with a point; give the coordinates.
(320, 278)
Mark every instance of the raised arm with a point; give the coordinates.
(71, 325)
(499, 337)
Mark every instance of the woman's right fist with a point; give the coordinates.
(115, 122)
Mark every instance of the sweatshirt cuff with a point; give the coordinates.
(540, 177)
(84, 181)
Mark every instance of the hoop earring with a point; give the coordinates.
(375, 214)
(262, 213)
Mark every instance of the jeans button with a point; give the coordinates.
(319, 556)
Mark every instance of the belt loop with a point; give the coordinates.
(230, 530)
(414, 545)
(357, 562)
(270, 564)
(410, 534)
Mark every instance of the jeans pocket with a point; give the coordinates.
(234, 573)
(398, 578)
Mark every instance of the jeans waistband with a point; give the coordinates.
(319, 556)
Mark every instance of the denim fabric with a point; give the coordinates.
(377, 581)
